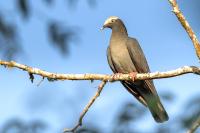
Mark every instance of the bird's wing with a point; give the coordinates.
(137, 56)
(110, 62)
(132, 88)
(129, 86)
(140, 62)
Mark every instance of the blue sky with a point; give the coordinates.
(164, 41)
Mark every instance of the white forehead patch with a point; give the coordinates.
(111, 18)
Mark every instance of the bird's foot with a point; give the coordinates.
(133, 75)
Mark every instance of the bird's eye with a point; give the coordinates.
(112, 20)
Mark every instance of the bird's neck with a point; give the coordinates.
(119, 31)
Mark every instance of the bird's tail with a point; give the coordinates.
(156, 108)
(149, 99)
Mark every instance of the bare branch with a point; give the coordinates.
(195, 42)
(186, 26)
(103, 77)
(100, 88)
(194, 126)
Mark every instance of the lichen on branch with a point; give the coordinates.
(186, 26)
(104, 77)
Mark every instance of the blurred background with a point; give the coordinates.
(64, 36)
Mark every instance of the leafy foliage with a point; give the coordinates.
(9, 45)
(19, 126)
(191, 112)
(24, 8)
(61, 36)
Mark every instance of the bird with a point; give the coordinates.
(125, 55)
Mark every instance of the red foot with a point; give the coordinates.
(132, 75)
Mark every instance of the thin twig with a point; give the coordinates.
(40, 81)
(194, 126)
(106, 77)
(100, 88)
(140, 76)
(186, 25)
(195, 42)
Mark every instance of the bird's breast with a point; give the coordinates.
(121, 58)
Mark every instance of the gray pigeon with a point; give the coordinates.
(126, 56)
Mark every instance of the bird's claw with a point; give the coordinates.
(133, 75)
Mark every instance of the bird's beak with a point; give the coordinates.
(102, 28)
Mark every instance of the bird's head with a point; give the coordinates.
(111, 22)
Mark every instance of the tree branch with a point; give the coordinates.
(100, 88)
(195, 42)
(103, 77)
(194, 126)
(186, 26)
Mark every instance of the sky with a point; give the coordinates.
(162, 38)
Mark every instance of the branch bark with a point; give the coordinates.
(186, 26)
(194, 126)
(100, 88)
(103, 77)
